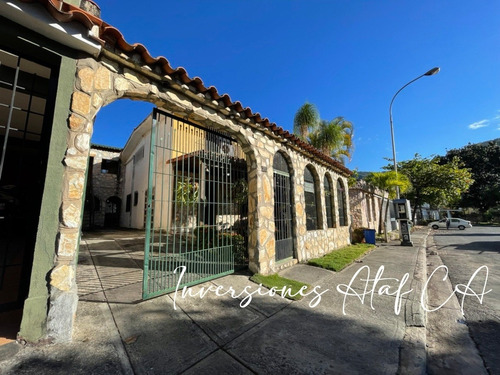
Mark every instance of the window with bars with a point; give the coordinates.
(313, 206)
(330, 218)
(341, 203)
(24, 87)
(282, 208)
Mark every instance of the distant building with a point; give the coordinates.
(103, 193)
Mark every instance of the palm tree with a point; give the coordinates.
(306, 120)
(334, 138)
(388, 181)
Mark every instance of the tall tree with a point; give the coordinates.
(483, 160)
(334, 138)
(434, 183)
(306, 120)
(388, 181)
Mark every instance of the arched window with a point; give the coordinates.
(313, 204)
(341, 203)
(282, 208)
(329, 203)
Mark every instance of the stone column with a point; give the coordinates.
(261, 201)
(85, 102)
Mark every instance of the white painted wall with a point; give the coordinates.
(135, 171)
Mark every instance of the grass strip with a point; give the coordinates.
(292, 287)
(339, 259)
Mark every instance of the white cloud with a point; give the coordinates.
(478, 124)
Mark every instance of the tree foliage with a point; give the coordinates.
(388, 181)
(186, 192)
(306, 120)
(333, 138)
(439, 185)
(483, 161)
(353, 178)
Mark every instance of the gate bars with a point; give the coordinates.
(191, 217)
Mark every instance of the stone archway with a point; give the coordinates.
(99, 84)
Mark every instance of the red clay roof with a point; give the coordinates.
(110, 37)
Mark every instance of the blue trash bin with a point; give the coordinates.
(369, 236)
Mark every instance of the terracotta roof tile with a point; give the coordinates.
(110, 37)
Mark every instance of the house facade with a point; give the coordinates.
(189, 154)
(297, 205)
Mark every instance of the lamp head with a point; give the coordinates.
(432, 72)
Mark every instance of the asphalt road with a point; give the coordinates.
(464, 252)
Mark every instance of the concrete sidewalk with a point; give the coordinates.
(326, 332)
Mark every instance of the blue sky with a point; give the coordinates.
(347, 57)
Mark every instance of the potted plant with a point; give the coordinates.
(186, 197)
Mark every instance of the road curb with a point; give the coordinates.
(413, 353)
(447, 330)
(415, 313)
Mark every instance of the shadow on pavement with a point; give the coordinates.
(489, 343)
(296, 340)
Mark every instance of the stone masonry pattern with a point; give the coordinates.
(99, 83)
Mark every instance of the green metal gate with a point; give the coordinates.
(190, 215)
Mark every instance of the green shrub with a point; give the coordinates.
(239, 246)
(492, 215)
(207, 237)
(358, 235)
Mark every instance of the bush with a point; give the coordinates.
(239, 247)
(204, 236)
(207, 237)
(358, 235)
(424, 222)
(474, 217)
(492, 215)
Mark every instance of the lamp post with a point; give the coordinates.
(429, 73)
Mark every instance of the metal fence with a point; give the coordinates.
(195, 210)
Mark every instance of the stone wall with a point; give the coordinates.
(101, 82)
(365, 201)
(308, 244)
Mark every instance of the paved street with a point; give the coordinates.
(463, 252)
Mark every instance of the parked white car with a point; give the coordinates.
(454, 223)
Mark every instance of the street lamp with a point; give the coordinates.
(429, 73)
